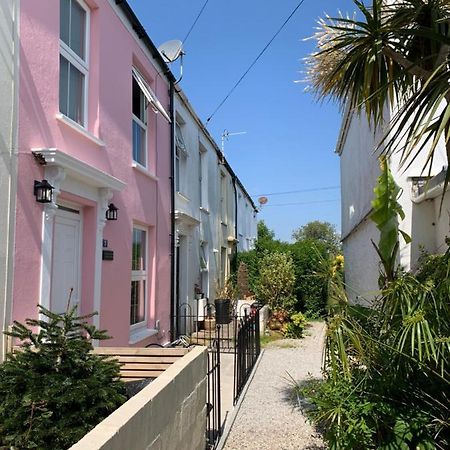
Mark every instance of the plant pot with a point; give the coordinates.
(223, 310)
(210, 324)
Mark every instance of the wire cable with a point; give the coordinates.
(326, 188)
(255, 61)
(195, 22)
(304, 203)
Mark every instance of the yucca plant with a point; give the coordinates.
(392, 65)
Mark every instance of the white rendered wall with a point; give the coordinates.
(199, 216)
(359, 172)
(361, 263)
(441, 223)
(8, 154)
(190, 223)
(419, 219)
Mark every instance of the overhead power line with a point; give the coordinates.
(326, 188)
(304, 203)
(255, 61)
(195, 22)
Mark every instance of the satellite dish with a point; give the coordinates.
(171, 50)
(262, 200)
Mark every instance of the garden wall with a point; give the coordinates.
(170, 413)
(264, 314)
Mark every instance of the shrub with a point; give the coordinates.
(54, 390)
(242, 283)
(294, 329)
(251, 261)
(310, 286)
(354, 420)
(277, 281)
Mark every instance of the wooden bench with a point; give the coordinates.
(141, 363)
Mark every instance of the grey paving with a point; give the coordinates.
(269, 419)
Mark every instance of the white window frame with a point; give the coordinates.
(140, 275)
(223, 198)
(204, 271)
(150, 95)
(204, 257)
(79, 63)
(223, 265)
(181, 155)
(144, 126)
(203, 177)
(177, 170)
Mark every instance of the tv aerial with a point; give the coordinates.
(171, 51)
(225, 136)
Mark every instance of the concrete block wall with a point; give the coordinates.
(168, 414)
(264, 314)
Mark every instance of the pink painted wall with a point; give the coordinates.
(113, 51)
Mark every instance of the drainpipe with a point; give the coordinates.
(172, 212)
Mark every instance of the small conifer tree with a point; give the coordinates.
(54, 389)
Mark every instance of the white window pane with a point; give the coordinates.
(64, 21)
(139, 102)
(179, 137)
(76, 97)
(77, 29)
(177, 172)
(139, 144)
(63, 85)
(139, 246)
(137, 311)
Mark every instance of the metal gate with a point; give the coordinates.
(214, 401)
(247, 350)
(240, 336)
(196, 322)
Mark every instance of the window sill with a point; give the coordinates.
(140, 334)
(144, 171)
(79, 129)
(205, 210)
(183, 197)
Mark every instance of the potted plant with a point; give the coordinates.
(224, 302)
(198, 292)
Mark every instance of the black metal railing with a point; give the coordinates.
(247, 350)
(240, 336)
(197, 322)
(214, 401)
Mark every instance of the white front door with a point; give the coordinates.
(66, 261)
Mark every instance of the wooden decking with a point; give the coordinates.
(141, 363)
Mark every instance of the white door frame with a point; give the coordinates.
(71, 175)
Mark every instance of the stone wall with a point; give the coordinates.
(170, 413)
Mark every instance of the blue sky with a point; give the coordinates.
(290, 139)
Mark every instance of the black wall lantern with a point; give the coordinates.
(43, 191)
(111, 212)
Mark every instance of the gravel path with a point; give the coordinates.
(268, 418)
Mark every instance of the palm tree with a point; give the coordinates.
(398, 54)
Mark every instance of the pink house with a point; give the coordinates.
(93, 119)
